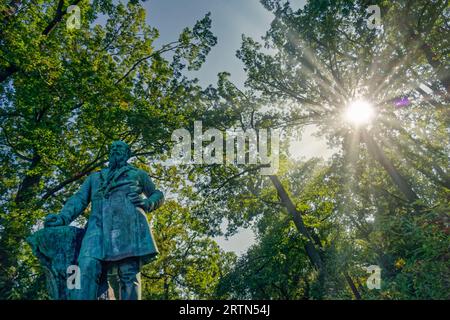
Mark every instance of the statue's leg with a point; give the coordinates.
(90, 272)
(130, 279)
(113, 281)
(103, 292)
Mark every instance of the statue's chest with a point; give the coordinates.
(120, 184)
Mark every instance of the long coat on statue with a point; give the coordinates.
(116, 228)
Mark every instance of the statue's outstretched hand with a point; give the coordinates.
(54, 220)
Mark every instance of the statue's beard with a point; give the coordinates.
(117, 160)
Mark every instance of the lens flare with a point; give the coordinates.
(359, 112)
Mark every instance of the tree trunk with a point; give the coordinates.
(376, 152)
(441, 72)
(311, 250)
(13, 234)
(352, 286)
(25, 191)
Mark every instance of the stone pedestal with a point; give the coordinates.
(57, 248)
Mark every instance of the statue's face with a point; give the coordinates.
(118, 154)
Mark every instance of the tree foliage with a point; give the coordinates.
(381, 199)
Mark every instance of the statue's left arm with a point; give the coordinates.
(155, 198)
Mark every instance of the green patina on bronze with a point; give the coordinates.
(57, 248)
(117, 235)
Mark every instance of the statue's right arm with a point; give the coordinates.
(77, 203)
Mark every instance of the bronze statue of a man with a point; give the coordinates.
(117, 233)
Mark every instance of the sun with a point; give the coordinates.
(359, 112)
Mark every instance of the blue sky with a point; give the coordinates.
(230, 19)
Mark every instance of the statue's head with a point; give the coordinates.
(119, 153)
